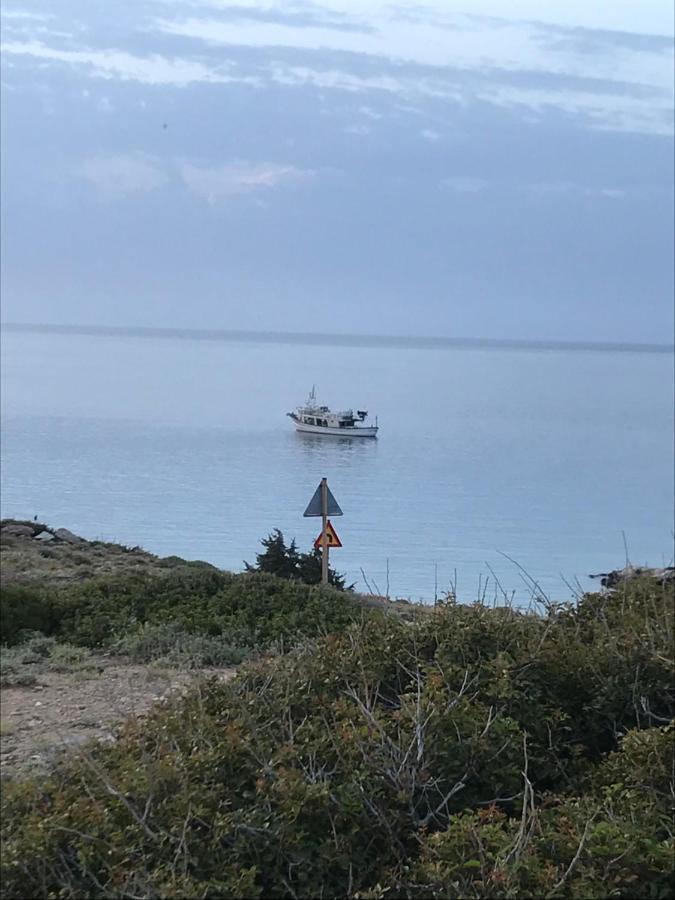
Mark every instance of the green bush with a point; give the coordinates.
(25, 609)
(471, 752)
(614, 841)
(246, 610)
(172, 646)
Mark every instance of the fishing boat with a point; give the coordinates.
(316, 419)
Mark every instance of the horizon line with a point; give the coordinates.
(326, 339)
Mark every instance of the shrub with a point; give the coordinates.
(169, 644)
(246, 610)
(616, 840)
(20, 664)
(397, 759)
(25, 609)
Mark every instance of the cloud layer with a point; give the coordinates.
(354, 164)
(214, 183)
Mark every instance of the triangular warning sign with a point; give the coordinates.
(333, 539)
(314, 508)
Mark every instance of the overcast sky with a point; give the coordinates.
(473, 169)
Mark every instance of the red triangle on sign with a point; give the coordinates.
(333, 539)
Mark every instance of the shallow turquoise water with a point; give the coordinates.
(183, 447)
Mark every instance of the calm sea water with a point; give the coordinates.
(183, 447)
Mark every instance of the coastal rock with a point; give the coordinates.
(610, 580)
(45, 536)
(64, 535)
(18, 530)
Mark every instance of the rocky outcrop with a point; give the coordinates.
(611, 580)
(18, 530)
(37, 531)
(64, 535)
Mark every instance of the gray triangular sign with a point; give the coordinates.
(314, 508)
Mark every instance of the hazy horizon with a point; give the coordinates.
(330, 339)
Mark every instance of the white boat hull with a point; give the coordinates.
(314, 419)
(355, 431)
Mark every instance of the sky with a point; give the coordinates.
(464, 168)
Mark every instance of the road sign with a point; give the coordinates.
(324, 504)
(331, 534)
(315, 506)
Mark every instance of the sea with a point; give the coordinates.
(499, 472)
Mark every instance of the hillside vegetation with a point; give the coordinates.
(467, 752)
(123, 600)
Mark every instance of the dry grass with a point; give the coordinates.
(24, 560)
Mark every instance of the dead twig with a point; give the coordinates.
(575, 858)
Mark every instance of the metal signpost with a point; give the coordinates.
(324, 504)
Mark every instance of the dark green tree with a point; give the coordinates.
(285, 562)
(309, 570)
(277, 559)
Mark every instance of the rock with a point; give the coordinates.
(18, 530)
(74, 740)
(64, 535)
(45, 536)
(610, 580)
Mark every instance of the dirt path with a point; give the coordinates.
(65, 710)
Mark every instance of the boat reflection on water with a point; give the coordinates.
(328, 446)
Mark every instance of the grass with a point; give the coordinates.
(20, 666)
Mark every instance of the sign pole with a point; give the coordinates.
(323, 504)
(324, 531)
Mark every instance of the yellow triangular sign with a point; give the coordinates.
(333, 539)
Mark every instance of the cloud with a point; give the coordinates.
(625, 84)
(25, 15)
(120, 175)
(359, 129)
(464, 184)
(526, 67)
(214, 183)
(473, 43)
(602, 111)
(586, 40)
(151, 69)
(293, 15)
(124, 174)
(430, 135)
(598, 104)
(340, 79)
(567, 188)
(468, 184)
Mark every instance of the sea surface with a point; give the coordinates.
(495, 469)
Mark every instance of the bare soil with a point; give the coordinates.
(64, 711)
